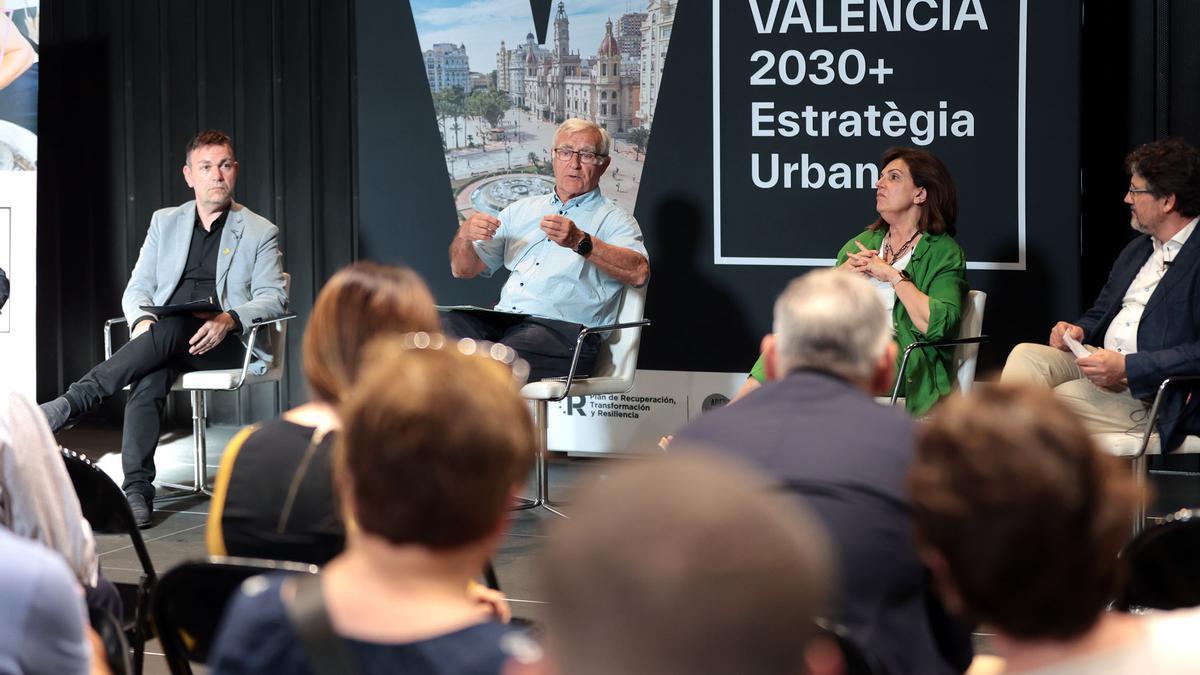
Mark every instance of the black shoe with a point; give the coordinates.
(143, 515)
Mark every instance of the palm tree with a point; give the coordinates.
(640, 138)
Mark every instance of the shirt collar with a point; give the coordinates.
(217, 224)
(1180, 238)
(575, 201)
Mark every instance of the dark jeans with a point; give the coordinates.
(547, 344)
(150, 364)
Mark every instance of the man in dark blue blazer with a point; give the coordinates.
(1146, 321)
(816, 428)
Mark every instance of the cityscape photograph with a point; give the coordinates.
(499, 95)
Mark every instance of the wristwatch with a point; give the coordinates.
(902, 278)
(584, 247)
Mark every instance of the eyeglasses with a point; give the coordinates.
(585, 156)
(495, 351)
(1137, 191)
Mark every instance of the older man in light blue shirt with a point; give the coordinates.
(569, 255)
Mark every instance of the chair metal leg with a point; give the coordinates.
(1139, 508)
(540, 474)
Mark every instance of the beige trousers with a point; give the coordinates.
(1101, 410)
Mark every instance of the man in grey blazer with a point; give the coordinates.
(211, 248)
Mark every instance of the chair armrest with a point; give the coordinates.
(250, 344)
(1152, 418)
(925, 345)
(586, 331)
(108, 334)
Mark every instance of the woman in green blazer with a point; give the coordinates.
(910, 255)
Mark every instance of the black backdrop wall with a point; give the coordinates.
(125, 84)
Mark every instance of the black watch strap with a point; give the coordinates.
(584, 247)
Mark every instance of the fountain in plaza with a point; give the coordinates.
(495, 194)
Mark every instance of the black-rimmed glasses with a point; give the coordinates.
(585, 156)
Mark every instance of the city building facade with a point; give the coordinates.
(446, 66)
(656, 36)
(562, 84)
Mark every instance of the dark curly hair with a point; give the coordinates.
(1171, 167)
(940, 209)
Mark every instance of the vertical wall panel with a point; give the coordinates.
(125, 83)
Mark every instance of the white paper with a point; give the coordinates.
(1076, 348)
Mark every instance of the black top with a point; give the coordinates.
(256, 637)
(199, 280)
(256, 519)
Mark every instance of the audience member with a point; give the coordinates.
(909, 255)
(273, 496)
(686, 565)
(1146, 317)
(1021, 517)
(42, 623)
(569, 254)
(435, 442)
(38, 500)
(817, 430)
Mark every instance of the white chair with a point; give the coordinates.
(966, 346)
(1136, 447)
(199, 382)
(616, 364)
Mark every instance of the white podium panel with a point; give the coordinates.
(660, 403)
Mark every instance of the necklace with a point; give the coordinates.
(890, 256)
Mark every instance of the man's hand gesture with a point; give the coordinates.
(1056, 335)
(479, 227)
(1104, 368)
(561, 230)
(215, 328)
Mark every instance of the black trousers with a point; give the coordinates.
(547, 344)
(150, 364)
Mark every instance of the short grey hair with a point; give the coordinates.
(833, 321)
(575, 124)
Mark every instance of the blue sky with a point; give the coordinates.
(482, 24)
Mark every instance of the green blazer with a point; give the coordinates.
(938, 268)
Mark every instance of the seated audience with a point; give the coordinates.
(42, 625)
(1021, 517)
(38, 500)
(686, 565)
(1146, 321)
(909, 255)
(817, 429)
(434, 444)
(273, 495)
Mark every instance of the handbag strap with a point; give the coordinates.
(328, 653)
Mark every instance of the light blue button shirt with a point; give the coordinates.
(552, 281)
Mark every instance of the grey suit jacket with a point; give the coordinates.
(249, 267)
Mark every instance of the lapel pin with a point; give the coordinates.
(226, 251)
